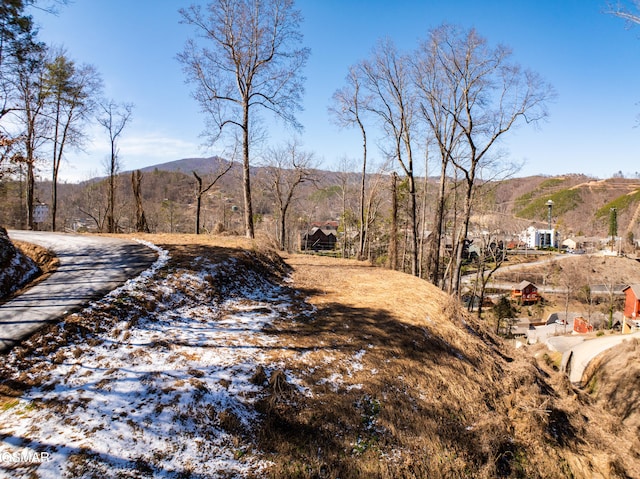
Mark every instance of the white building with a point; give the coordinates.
(536, 238)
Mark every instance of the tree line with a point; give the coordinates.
(47, 102)
(439, 110)
(453, 97)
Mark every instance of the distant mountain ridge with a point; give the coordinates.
(581, 204)
(187, 165)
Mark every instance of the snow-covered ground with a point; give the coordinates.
(162, 384)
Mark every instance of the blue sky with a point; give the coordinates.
(592, 60)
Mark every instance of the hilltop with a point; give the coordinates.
(581, 203)
(231, 360)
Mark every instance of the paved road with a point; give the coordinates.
(576, 359)
(90, 267)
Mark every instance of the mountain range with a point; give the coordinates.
(582, 205)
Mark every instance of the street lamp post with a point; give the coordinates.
(550, 206)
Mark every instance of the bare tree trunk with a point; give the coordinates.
(283, 228)
(246, 175)
(141, 220)
(345, 233)
(111, 222)
(30, 193)
(463, 236)
(363, 222)
(221, 171)
(433, 256)
(414, 222)
(393, 238)
(198, 201)
(423, 222)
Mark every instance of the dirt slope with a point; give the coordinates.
(452, 400)
(367, 373)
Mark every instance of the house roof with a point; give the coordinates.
(635, 288)
(523, 284)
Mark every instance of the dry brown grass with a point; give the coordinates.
(44, 258)
(381, 375)
(436, 395)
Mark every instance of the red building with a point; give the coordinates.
(525, 292)
(632, 301)
(580, 325)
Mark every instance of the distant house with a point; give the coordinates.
(321, 237)
(539, 238)
(581, 325)
(570, 244)
(525, 293)
(632, 301)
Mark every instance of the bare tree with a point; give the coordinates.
(484, 96)
(141, 220)
(344, 176)
(621, 11)
(114, 118)
(492, 253)
(33, 122)
(289, 167)
(253, 60)
(223, 168)
(393, 233)
(349, 103)
(435, 90)
(71, 92)
(388, 79)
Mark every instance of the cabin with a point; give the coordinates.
(632, 301)
(525, 293)
(318, 239)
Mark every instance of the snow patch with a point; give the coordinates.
(166, 391)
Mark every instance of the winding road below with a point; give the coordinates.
(90, 267)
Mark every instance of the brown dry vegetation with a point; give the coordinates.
(587, 269)
(614, 382)
(42, 257)
(451, 399)
(400, 382)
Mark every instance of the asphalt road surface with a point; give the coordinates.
(90, 267)
(576, 359)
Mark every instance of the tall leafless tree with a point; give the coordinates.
(136, 185)
(288, 167)
(349, 104)
(71, 97)
(34, 124)
(223, 168)
(251, 59)
(482, 95)
(114, 117)
(388, 78)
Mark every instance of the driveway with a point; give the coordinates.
(576, 359)
(90, 267)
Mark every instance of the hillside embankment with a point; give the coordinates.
(348, 371)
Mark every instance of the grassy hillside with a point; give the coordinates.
(581, 205)
(359, 373)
